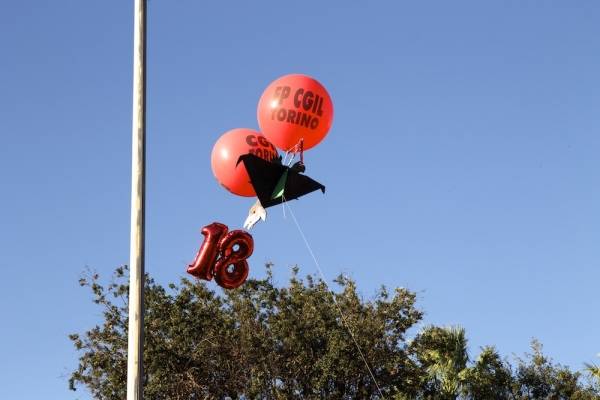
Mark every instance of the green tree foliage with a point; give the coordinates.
(489, 378)
(298, 342)
(594, 372)
(442, 353)
(537, 377)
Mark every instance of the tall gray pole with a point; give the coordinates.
(135, 345)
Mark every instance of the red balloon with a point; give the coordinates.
(293, 108)
(245, 246)
(226, 152)
(202, 267)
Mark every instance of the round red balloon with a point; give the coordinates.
(293, 108)
(226, 152)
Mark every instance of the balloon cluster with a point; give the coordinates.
(294, 113)
(294, 109)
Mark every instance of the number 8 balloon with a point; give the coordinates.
(233, 257)
(294, 108)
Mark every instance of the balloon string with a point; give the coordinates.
(344, 321)
(285, 162)
(284, 203)
(298, 148)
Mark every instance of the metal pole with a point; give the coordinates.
(135, 345)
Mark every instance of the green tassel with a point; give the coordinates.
(280, 187)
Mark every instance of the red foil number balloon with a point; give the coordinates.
(202, 267)
(223, 256)
(234, 277)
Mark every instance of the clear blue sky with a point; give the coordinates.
(462, 162)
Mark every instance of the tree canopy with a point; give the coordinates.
(301, 341)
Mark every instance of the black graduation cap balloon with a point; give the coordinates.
(275, 183)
